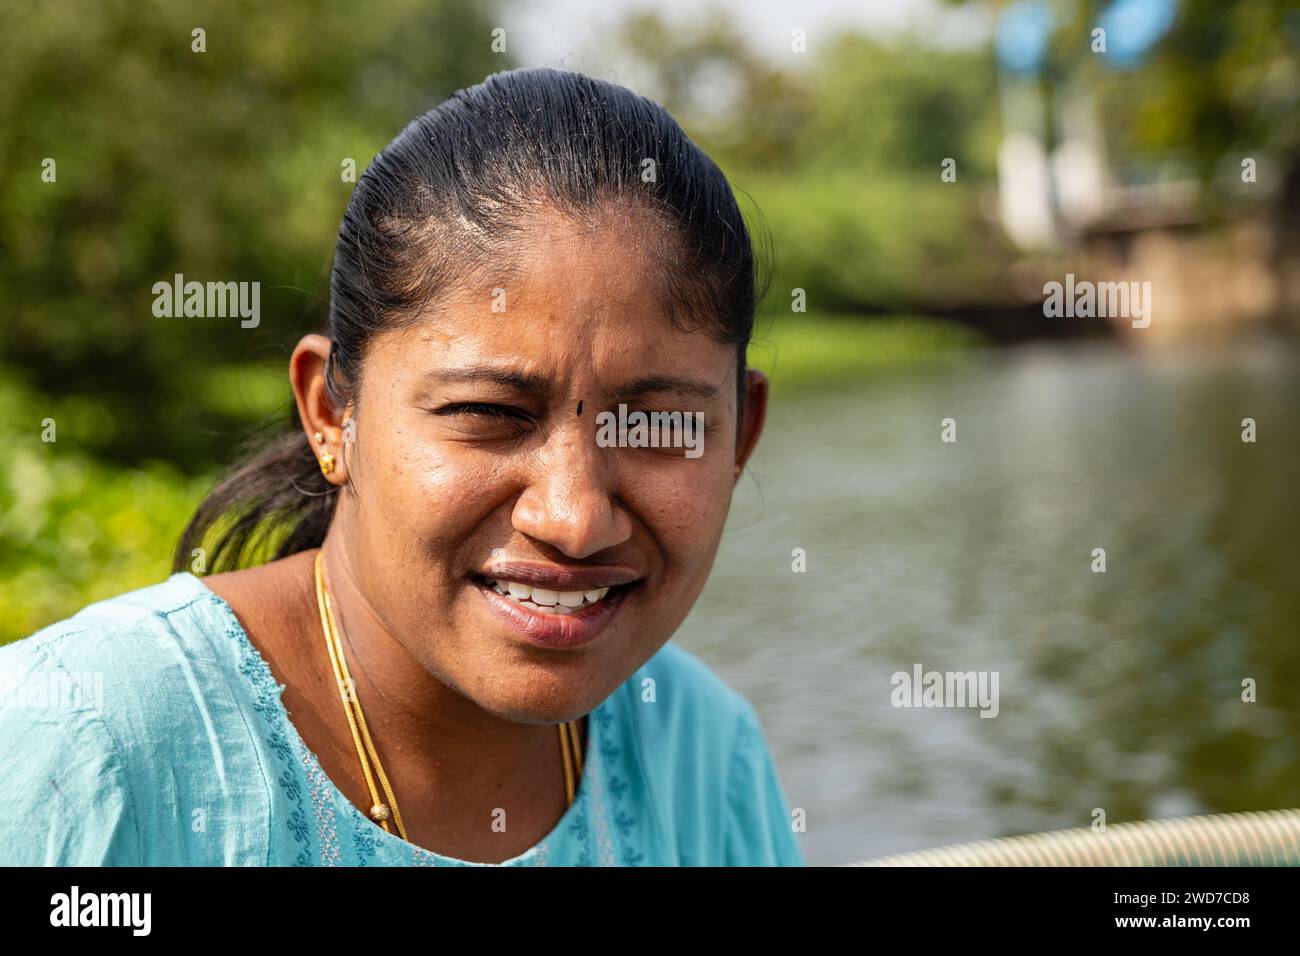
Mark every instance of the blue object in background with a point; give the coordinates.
(1022, 35)
(1133, 27)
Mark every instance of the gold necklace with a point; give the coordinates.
(570, 750)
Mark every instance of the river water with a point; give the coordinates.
(1118, 690)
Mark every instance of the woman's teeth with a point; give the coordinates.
(552, 602)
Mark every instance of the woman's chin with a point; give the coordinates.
(542, 668)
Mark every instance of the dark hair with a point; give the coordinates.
(441, 204)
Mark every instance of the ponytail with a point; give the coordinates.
(273, 504)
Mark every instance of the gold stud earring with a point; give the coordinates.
(326, 463)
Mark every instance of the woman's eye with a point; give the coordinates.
(515, 420)
(481, 408)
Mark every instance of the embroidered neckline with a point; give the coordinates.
(284, 736)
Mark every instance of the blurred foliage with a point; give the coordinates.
(841, 155)
(221, 165)
(850, 245)
(1225, 78)
(74, 529)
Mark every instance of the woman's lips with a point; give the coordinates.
(553, 625)
(557, 577)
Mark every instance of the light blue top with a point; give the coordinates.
(147, 730)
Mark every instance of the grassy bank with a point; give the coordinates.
(806, 351)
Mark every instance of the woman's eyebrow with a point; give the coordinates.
(533, 384)
(513, 379)
(667, 383)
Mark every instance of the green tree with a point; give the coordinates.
(219, 165)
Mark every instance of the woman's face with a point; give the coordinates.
(476, 460)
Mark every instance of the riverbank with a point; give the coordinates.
(806, 352)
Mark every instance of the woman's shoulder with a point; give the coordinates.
(105, 631)
(136, 610)
(98, 712)
(134, 637)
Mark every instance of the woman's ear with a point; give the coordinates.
(321, 421)
(751, 422)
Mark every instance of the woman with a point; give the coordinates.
(457, 654)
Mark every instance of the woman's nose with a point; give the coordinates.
(570, 502)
